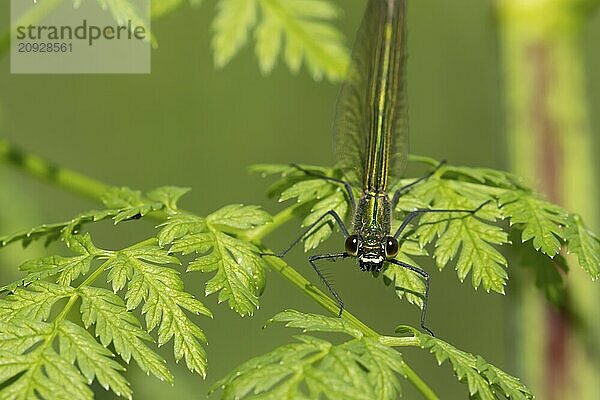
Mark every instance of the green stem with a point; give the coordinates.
(47, 171)
(279, 219)
(551, 143)
(318, 296)
(72, 300)
(395, 341)
(93, 189)
(419, 384)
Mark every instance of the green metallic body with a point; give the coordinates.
(376, 89)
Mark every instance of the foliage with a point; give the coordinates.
(299, 31)
(239, 276)
(34, 318)
(50, 351)
(304, 26)
(359, 368)
(470, 241)
(485, 381)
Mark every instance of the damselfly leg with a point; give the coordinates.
(331, 213)
(329, 257)
(409, 186)
(313, 259)
(425, 275)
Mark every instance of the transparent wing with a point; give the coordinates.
(358, 108)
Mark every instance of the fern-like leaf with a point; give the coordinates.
(315, 323)
(115, 324)
(542, 222)
(406, 283)
(485, 381)
(317, 195)
(161, 290)
(34, 303)
(303, 25)
(231, 26)
(470, 240)
(585, 244)
(94, 361)
(160, 8)
(361, 368)
(239, 270)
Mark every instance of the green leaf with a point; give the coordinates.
(160, 8)
(122, 197)
(49, 266)
(231, 26)
(319, 194)
(123, 11)
(272, 169)
(68, 268)
(168, 196)
(304, 25)
(18, 335)
(179, 226)
(541, 221)
(486, 176)
(307, 190)
(161, 290)
(46, 375)
(315, 323)
(238, 216)
(327, 371)
(468, 238)
(53, 231)
(586, 245)
(383, 365)
(33, 303)
(336, 201)
(269, 40)
(484, 380)
(114, 324)
(406, 282)
(309, 37)
(93, 360)
(240, 276)
(361, 368)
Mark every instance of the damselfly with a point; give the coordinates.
(371, 143)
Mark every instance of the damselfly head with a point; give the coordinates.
(370, 262)
(371, 251)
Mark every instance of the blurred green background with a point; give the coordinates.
(188, 124)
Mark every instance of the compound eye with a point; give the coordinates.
(352, 245)
(391, 247)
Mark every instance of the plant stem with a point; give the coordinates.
(47, 171)
(279, 219)
(419, 384)
(318, 296)
(93, 189)
(550, 143)
(395, 341)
